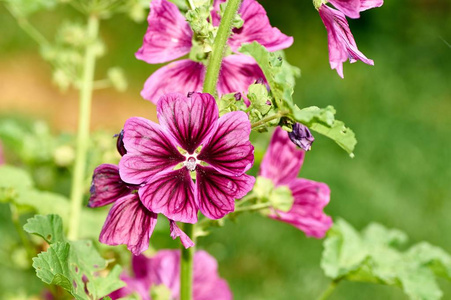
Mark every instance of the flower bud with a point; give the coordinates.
(301, 136)
(120, 143)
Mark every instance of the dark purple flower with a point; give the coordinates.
(164, 268)
(169, 37)
(128, 222)
(120, 143)
(281, 164)
(217, 151)
(301, 136)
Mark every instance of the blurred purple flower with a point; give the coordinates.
(164, 269)
(169, 37)
(153, 159)
(301, 136)
(352, 8)
(281, 164)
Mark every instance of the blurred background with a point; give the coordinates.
(400, 110)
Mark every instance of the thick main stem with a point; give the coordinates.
(84, 120)
(217, 53)
(186, 266)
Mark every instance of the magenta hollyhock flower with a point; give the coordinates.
(164, 269)
(281, 164)
(190, 140)
(128, 222)
(341, 42)
(169, 37)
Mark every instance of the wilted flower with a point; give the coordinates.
(190, 140)
(341, 42)
(164, 269)
(128, 221)
(169, 37)
(281, 164)
(301, 136)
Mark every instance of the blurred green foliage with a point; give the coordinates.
(399, 109)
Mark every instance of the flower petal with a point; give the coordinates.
(106, 186)
(307, 213)
(149, 150)
(130, 223)
(367, 4)
(177, 232)
(181, 76)
(350, 8)
(216, 192)
(282, 160)
(133, 285)
(256, 27)
(341, 42)
(172, 194)
(228, 149)
(189, 119)
(168, 36)
(237, 73)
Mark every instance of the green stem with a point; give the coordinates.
(253, 207)
(84, 120)
(23, 237)
(217, 53)
(330, 289)
(186, 266)
(267, 119)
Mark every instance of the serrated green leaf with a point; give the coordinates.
(73, 265)
(339, 133)
(49, 227)
(279, 74)
(52, 267)
(314, 114)
(372, 256)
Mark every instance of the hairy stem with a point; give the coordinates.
(217, 53)
(84, 120)
(186, 266)
(330, 289)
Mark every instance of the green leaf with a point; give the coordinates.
(372, 256)
(338, 132)
(49, 227)
(43, 202)
(279, 74)
(15, 178)
(74, 265)
(314, 114)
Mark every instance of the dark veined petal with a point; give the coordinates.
(129, 223)
(282, 160)
(307, 213)
(340, 40)
(171, 193)
(168, 36)
(189, 119)
(149, 150)
(181, 76)
(106, 186)
(216, 192)
(237, 73)
(177, 232)
(256, 27)
(228, 149)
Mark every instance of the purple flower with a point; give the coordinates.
(301, 136)
(169, 37)
(352, 8)
(164, 269)
(281, 164)
(128, 221)
(341, 42)
(216, 151)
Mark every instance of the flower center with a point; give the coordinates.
(190, 163)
